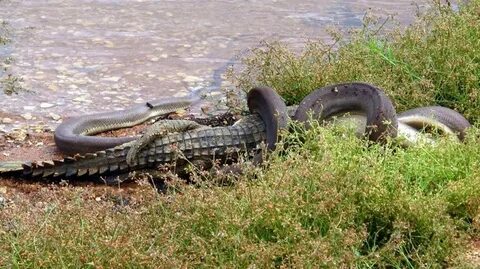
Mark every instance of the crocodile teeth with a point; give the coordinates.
(58, 173)
(27, 168)
(119, 152)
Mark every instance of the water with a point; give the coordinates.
(83, 56)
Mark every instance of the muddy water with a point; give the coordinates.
(81, 56)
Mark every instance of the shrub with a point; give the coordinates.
(434, 61)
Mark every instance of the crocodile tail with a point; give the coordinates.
(90, 164)
(11, 167)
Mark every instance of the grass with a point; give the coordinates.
(325, 203)
(9, 83)
(434, 61)
(331, 200)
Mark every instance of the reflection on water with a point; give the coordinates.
(92, 55)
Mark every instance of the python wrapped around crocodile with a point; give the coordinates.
(192, 144)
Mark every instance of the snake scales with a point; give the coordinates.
(200, 144)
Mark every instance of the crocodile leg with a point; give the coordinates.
(159, 130)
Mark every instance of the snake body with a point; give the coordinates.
(272, 109)
(73, 135)
(413, 121)
(371, 110)
(199, 143)
(363, 98)
(445, 119)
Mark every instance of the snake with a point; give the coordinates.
(373, 110)
(363, 98)
(272, 109)
(75, 134)
(367, 106)
(264, 101)
(444, 119)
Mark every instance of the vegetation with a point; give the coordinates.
(434, 61)
(8, 82)
(330, 200)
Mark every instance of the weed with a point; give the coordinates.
(330, 200)
(8, 82)
(434, 61)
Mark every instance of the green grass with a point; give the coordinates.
(327, 202)
(434, 61)
(331, 200)
(9, 83)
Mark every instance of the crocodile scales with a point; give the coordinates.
(209, 143)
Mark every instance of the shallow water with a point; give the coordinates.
(83, 56)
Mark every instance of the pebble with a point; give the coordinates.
(192, 79)
(46, 105)
(7, 120)
(27, 116)
(109, 44)
(82, 98)
(54, 116)
(80, 81)
(29, 108)
(52, 87)
(112, 79)
(2, 202)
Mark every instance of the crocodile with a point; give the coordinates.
(199, 145)
(180, 142)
